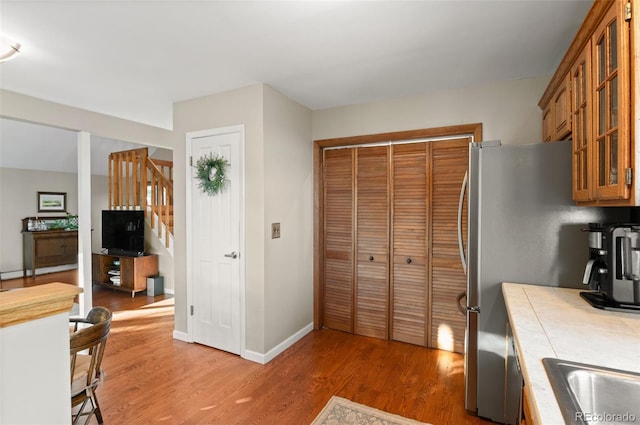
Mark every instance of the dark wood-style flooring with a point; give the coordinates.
(152, 378)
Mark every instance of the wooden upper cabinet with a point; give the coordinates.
(596, 76)
(561, 107)
(556, 113)
(581, 110)
(547, 133)
(611, 97)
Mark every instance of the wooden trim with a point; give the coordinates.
(590, 23)
(428, 249)
(354, 236)
(474, 129)
(392, 194)
(36, 302)
(318, 240)
(455, 130)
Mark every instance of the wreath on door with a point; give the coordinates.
(211, 172)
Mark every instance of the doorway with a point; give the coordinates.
(215, 243)
(386, 242)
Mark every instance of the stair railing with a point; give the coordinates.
(136, 181)
(127, 180)
(160, 195)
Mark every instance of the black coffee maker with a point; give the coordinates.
(595, 273)
(613, 268)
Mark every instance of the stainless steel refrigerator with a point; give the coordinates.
(523, 227)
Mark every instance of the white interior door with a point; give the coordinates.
(215, 243)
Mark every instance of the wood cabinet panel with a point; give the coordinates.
(601, 111)
(372, 272)
(611, 97)
(562, 110)
(547, 130)
(133, 271)
(391, 262)
(450, 160)
(48, 249)
(338, 238)
(409, 243)
(582, 137)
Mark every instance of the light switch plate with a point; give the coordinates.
(275, 230)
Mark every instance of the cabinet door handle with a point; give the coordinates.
(409, 260)
(371, 258)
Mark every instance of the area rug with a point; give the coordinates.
(340, 411)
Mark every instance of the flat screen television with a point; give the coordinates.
(123, 232)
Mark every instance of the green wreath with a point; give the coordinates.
(211, 173)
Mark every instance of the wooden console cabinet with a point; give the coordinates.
(133, 271)
(48, 249)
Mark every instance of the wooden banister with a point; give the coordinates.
(137, 181)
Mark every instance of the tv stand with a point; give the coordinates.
(133, 271)
(123, 253)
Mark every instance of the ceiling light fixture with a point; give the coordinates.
(8, 48)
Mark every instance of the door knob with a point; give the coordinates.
(232, 255)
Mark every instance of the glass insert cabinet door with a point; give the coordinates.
(582, 139)
(611, 96)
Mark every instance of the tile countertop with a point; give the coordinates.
(557, 322)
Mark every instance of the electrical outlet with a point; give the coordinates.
(275, 230)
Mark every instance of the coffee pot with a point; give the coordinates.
(595, 272)
(613, 268)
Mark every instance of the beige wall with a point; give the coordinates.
(241, 106)
(508, 112)
(278, 135)
(278, 188)
(26, 108)
(18, 199)
(288, 194)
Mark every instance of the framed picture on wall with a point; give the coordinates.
(52, 202)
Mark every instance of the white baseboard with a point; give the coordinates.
(44, 270)
(181, 336)
(278, 349)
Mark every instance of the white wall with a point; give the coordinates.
(507, 110)
(288, 195)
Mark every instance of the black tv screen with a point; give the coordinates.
(123, 232)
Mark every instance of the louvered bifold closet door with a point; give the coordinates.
(372, 246)
(450, 161)
(409, 227)
(338, 175)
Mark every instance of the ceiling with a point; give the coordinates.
(31, 146)
(133, 59)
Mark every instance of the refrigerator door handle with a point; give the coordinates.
(463, 190)
(461, 308)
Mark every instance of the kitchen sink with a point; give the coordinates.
(589, 394)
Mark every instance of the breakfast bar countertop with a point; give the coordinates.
(557, 322)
